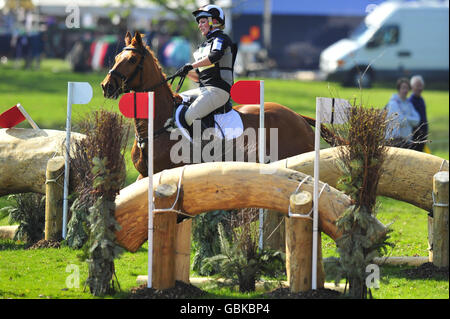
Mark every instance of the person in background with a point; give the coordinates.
(403, 117)
(421, 130)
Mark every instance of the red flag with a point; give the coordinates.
(11, 117)
(246, 92)
(135, 105)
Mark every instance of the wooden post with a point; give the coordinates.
(440, 219)
(164, 234)
(53, 198)
(183, 250)
(299, 243)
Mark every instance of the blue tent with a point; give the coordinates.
(307, 7)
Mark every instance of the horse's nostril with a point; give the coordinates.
(106, 89)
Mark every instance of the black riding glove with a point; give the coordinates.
(184, 70)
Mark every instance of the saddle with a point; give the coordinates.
(215, 119)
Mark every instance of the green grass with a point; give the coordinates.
(42, 273)
(409, 225)
(394, 285)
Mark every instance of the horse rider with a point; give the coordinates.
(212, 69)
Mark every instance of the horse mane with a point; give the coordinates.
(135, 43)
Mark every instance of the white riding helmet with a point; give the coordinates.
(211, 12)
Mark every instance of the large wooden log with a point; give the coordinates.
(407, 175)
(24, 154)
(8, 232)
(230, 185)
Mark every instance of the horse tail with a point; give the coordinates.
(325, 133)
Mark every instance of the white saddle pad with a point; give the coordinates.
(230, 124)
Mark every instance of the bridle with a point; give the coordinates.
(138, 69)
(141, 141)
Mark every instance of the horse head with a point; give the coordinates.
(135, 69)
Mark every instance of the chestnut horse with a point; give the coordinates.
(137, 69)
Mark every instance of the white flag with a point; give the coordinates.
(333, 111)
(81, 92)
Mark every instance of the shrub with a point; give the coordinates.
(206, 241)
(240, 261)
(361, 161)
(99, 163)
(29, 212)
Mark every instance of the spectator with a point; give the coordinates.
(403, 117)
(421, 130)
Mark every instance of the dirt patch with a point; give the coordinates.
(45, 244)
(426, 271)
(180, 291)
(321, 293)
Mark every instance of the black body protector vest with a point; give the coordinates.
(221, 51)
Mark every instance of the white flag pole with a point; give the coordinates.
(262, 151)
(77, 93)
(150, 188)
(27, 116)
(316, 195)
(66, 168)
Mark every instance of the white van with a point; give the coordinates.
(395, 39)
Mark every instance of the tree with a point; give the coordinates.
(183, 23)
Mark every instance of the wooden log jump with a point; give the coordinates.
(407, 175)
(231, 185)
(207, 187)
(212, 186)
(24, 154)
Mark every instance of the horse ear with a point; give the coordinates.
(138, 38)
(127, 38)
